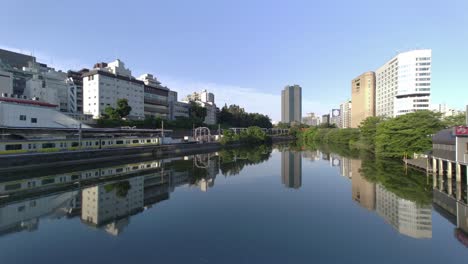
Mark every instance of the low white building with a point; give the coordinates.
(445, 110)
(311, 119)
(16, 112)
(106, 84)
(51, 86)
(206, 100)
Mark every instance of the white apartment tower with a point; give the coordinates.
(345, 110)
(403, 84)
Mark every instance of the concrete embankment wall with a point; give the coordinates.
(66, 158)
(10, 162)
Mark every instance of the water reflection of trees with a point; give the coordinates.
(406, 183)
(233, 161)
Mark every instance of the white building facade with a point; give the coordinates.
(446, 110)
(345, 110)
(15, 112)
(403, 84)
(51, 86)
(311, 119)
(106, 84)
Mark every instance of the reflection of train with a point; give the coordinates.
(74, 177)
(39, 145)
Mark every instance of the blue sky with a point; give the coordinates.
(246, 51)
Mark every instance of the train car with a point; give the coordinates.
(52, 145)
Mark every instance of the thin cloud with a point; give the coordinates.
(252, 100)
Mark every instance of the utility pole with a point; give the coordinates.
(466, 114)
(79, 136)
(162, 130)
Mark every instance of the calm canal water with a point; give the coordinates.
(268, 205)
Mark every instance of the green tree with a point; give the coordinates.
(110, 113)
(410, 133)
(456, 120)
(282, 125)
(235, 116)
(197, 113)
(123, 109)
(368, 130)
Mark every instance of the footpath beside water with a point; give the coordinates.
(66, 158)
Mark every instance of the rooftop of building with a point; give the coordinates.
(110, 74)
(444, 137)
(16, 59)
(26, 102)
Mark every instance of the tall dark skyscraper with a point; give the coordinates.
(291, 104)
(291, 169)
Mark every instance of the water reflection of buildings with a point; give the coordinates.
(112, 201)
(25, 215)
(211, 165)
(108, 205)
(291, 169)
(346, 168)
(314, 155)
(363, 191)
(450, 200)
(407, 217)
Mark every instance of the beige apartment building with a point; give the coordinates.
(363, 98)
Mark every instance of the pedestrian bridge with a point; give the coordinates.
(269, 131)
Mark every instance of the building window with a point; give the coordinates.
(14, 147)
(22, 117)
(33, 120)
(48, 145)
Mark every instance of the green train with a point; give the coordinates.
(51, 145)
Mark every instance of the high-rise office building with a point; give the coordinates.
(325, 120)
(363, 98)
(403, 84)
(291, 104)
(335, 117)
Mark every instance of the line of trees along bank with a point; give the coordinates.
(251, 136)
(232, 116)
(235, 116)
(387, 137)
